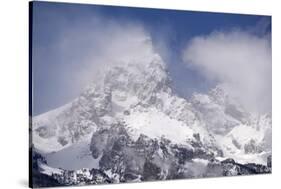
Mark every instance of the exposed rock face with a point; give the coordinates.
(122, 169)
(131, 126)
(269, 161)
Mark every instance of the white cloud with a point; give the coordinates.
(239, 61)
(89, 47)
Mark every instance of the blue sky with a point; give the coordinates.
(170, 30)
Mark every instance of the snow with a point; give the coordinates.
(46, 145)
(45, 169)
(45, 118)
(122, 101)
(125, 95)
(197, 167)
(240, 157)
(242, 134)
(156, 124)
(233, 127)
(77, 156)
(200, 161)
(214, 114)
(111, 175)
(245, 133)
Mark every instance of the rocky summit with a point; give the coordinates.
(129, 125)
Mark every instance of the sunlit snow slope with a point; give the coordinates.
(137, 95)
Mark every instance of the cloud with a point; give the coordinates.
(72, 55)
(238, 60)
(101, 45)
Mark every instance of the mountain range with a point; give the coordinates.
(130, 125)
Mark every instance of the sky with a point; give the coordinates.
(200, 49)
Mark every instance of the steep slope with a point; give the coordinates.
(242, 135)
(121, 86)
(134, 89)
(130, 125)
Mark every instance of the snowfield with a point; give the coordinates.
(155, 124)
(77, 156)
(137, 97)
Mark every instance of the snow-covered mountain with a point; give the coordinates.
(241, 135)
(130, 126)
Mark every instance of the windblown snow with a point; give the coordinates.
(137, 93)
